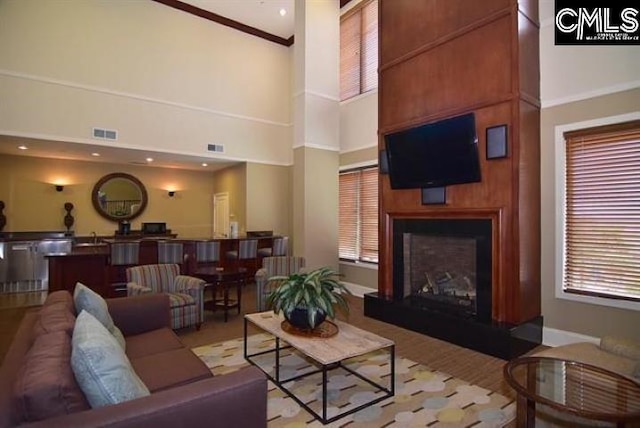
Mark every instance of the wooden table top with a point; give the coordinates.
(349, 342)
(218, 273)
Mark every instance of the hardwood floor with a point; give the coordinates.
(471, 366)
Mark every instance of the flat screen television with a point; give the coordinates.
(434, 155)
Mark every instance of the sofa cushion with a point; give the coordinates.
(169, 369)
(100, 365)
(152, 342)
(55, 316)
(60, 296)
(90, 301)
(45, 386)
(177, 300)
(621, 346)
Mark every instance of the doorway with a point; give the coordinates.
(221, 215)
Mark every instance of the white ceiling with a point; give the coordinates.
(116, 155)
(261, 14)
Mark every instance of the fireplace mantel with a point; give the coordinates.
(439, 64)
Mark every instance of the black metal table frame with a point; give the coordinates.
(324, 369)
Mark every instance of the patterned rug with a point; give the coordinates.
(423, 397)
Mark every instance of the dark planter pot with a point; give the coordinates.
(299, 318)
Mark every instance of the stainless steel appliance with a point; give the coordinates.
(23, 265)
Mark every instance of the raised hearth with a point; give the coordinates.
(491, 338)
(443, 286)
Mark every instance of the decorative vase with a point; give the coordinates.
(299, 318)
(68, 218)
(3, 218)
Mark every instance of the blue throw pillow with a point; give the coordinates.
(88, 300)
(100, 365)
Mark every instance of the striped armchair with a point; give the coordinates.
(185, 292)
(274, 266)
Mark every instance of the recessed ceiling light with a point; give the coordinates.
(283, 12)
(96, 154)
(149, 159)
(23, 147)
(204, 164)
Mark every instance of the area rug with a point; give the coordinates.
(423, 397)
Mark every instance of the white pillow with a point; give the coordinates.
(88, 300)
(100, 365)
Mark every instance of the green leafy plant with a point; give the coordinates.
(318, 292)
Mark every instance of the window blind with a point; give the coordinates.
(602, 212)
(358, 204)
(348, 206)
(359, 50)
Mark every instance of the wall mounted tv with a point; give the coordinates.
(434, 155)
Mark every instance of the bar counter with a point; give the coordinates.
(90, 260)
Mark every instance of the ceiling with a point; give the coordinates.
(116, 155)
(261, 14)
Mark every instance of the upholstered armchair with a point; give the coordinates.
(274, 266)
(185, 292)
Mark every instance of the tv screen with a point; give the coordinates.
(434, 155)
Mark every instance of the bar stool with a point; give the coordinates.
(207, 253)
(123, 256)
(280, 247)
(170, 252)
(246, 256)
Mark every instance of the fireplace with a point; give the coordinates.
(443, 286)
(444, 265)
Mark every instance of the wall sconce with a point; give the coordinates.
(59, 187)
(171, 193)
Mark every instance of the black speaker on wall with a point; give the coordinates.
(383, 163)
(497, 142)
(434, 195)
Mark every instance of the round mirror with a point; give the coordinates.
(119, 196)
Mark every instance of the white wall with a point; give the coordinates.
(67, 66)
(572, 73)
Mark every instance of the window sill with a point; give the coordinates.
(601, 301)
(365, 265)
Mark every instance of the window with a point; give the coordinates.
(358, 229)
(359, 50)
(602, 212)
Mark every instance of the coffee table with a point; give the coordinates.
(572, 387)
(325, 354)
(216, 277)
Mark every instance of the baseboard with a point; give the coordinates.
(555, 337)
(357, 289)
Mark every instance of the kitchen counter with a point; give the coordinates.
(23, 264)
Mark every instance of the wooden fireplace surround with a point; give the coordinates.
(440, 59)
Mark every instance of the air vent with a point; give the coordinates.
(105, 134)
(215, 148)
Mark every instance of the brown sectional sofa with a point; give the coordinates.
(38, 388)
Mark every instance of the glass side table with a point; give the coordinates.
(572, 387)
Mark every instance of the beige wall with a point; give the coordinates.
(33, 204)
(561, 314)
(315, 200)
(233, 180)
(269, 198)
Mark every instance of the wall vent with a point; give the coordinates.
(105, 134)
(215, 148)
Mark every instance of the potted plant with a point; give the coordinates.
(306, 299)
